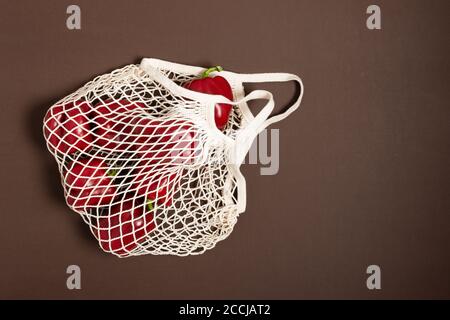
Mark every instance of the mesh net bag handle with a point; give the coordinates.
(275, 77)
(263, 119)
(256, 123)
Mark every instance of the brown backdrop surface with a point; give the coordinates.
(364, 166)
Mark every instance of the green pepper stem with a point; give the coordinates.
(206, 73)
(149, 205)
(112, 172)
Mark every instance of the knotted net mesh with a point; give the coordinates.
(139, 164)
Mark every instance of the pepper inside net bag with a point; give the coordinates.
(143, 163)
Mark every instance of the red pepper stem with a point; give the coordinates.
(206, 73)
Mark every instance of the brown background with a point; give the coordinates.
(364, 175)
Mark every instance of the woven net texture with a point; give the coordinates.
(140, 166)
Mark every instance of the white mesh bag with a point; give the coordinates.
(143, 163)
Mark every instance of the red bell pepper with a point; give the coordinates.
(160, 145)
(111, 122)
(67, 129)
(167, 141)
(89, 183)
(157, 186)
(125, 226)
(214, 85)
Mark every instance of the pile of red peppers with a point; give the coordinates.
(79, 130)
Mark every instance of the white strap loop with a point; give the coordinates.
(262, 120)
(275, 77)
(257, 124)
